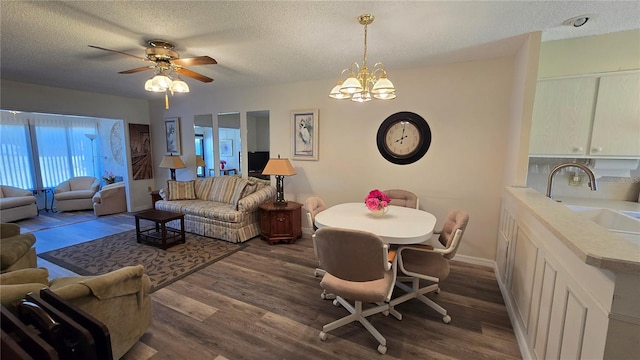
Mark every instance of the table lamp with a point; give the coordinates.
(172, 163)
(280, 168)
(200, 161)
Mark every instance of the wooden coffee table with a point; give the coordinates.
(160, 235)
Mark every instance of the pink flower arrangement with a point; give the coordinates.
(222, 164)
(376, 200)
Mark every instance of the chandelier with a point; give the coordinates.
(362, 85)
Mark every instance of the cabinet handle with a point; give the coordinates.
(280, 219)
(578, 149)
(596, 149)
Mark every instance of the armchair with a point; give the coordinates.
(119, 299)
(111, 199)
(16, 204)
(16, 250)
(76, 193)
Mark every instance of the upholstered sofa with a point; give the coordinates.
(16, 204)
(119, 299)
(111, 199)
(221, 207)
(76, 193)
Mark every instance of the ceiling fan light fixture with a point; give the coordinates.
(148, 85)
(179, 86)
(161, 81)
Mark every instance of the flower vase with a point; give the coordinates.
(379, 212)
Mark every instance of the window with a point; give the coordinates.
(41, 151)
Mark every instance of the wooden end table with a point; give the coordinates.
(280, 222)
(160, 235)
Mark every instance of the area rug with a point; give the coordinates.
(163, 266)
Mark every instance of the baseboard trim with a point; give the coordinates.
(475, 261)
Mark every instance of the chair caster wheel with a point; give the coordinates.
(336, 303)
(382, 349)
(446, 319)
(437, 291)
(323, 296)
(330, 296)
(323, 335)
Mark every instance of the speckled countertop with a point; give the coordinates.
(592, 243)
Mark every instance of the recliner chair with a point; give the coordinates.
(119, 299)
(16, 250)
(76, 193)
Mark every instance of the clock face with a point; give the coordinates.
(404, 138)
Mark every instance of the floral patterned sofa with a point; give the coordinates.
(221, 207)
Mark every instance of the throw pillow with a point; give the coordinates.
(222, 189)
(241, 185)
(181, 190)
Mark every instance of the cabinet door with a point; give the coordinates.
(525, 255)
(562, 114)
(616, 126)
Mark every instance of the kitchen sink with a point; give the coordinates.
(616, 221)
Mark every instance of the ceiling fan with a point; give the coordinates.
(166, 60)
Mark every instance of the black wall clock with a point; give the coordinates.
(403, 138)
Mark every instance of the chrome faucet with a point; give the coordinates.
(592, 177)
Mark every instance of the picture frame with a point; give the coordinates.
(304, 134)
(226, 147)
(172, 136)
(141, 158)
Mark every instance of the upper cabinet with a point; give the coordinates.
(616, 125)
(590, 116)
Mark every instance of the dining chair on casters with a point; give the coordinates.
(403, 198)
(314, 205)
(356, 268)
(416, 262)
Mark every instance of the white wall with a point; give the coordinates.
(34, 98)
(467, 106)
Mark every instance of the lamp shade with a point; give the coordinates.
(172, 162)
(200, 161)
(279, 167)
(91, 136)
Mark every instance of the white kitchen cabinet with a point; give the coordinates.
(596, 116)
(562, 115)
(557, 303)
(616, 125)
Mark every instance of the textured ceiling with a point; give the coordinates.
(269, 42)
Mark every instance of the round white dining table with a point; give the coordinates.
(400, 225)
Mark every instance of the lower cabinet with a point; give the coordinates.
(559, 306)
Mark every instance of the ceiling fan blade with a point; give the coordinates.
(193, 61)
(132, 71)
(119, 52)
(194, 75)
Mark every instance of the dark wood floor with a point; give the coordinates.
(264, 303)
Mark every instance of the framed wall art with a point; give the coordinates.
(304, 134)
(226, 147)
(172, 135)
(140, 146)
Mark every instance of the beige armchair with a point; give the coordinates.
(16, 204)
(16, 250)
(76, 193)
(119, 299)
(111, 199)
